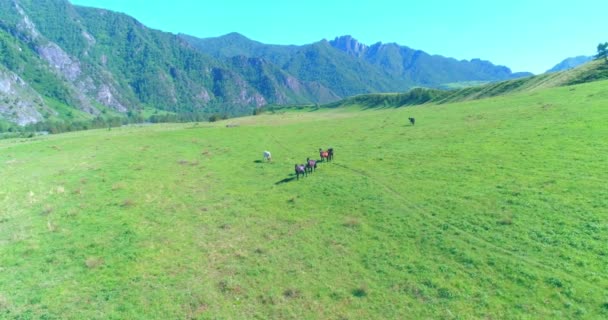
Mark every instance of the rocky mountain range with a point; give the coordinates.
(348, 67)
(59, 61)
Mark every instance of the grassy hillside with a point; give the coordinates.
(592, 71)
(493, 208)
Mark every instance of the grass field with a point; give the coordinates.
(491, 209)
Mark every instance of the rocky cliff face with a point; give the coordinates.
(19, 103)
(86, 88)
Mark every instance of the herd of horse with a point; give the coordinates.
(311, 165)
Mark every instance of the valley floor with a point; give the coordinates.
(491, 209)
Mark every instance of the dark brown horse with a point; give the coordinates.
(300, 169)
(311, 165)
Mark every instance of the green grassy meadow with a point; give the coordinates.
(487, 209)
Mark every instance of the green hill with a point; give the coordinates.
(589, 72)
(488, 208)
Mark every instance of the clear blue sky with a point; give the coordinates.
(525, 35)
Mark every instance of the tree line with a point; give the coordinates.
(100, 122)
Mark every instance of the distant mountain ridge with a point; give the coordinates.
(570, 63)
(388, 67)
(65, 62)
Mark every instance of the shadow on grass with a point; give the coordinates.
(258, 161)
(285, 180)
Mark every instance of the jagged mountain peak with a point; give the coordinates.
(349, 45)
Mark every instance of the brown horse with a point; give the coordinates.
(323, 154)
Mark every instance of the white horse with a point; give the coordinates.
(267, 156)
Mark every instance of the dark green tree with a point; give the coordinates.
(214, 117)
(602, 51)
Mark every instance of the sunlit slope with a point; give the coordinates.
(589, 72)
(494, 208)
(592, 71)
